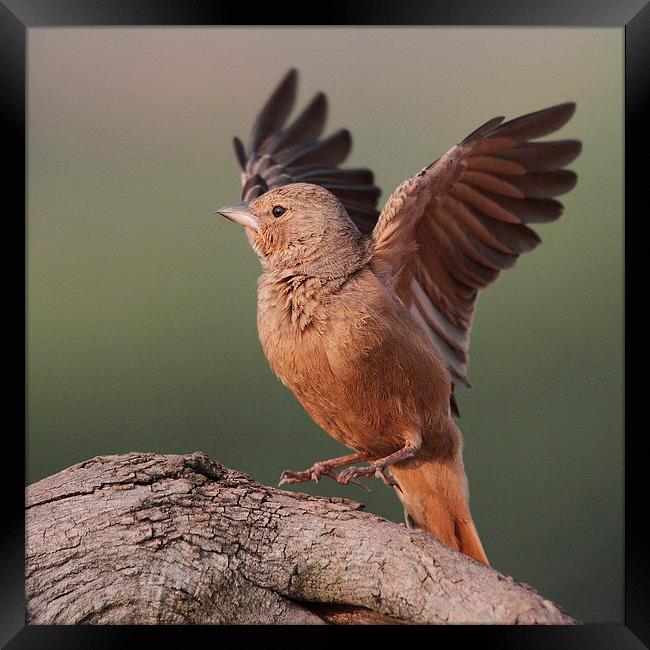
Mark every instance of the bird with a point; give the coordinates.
(365, 315)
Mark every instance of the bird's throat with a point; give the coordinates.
(298, 301)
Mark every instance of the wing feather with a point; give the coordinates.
(451, 229)
(278, 154)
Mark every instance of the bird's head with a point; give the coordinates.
(301, 229)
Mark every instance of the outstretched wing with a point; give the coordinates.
(452, 228)
(278, 155)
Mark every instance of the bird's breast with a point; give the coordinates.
(357, 363)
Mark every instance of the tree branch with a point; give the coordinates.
(147, 538)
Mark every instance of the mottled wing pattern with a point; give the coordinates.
(278, 154)
(452, 228)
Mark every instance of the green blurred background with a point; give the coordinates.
(141, 302)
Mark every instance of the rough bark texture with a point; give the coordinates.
(146, 538)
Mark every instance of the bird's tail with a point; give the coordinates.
(434, 495)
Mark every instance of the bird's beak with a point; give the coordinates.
(239, 213)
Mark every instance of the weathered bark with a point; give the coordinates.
(146, 538)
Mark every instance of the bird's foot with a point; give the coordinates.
(374, 469)
(314, 473)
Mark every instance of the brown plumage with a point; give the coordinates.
(365, 316)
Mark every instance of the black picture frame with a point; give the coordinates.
(17, 16)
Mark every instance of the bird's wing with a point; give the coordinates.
(278, 154)
(449, 230)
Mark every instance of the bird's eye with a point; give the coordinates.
(278, 210)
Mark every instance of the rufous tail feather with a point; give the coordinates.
(434, 495)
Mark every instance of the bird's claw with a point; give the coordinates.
(348, 475)
(388, 479)
(312, 474)
(288, 477)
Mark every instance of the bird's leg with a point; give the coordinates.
(378, 467)
(322, 468)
